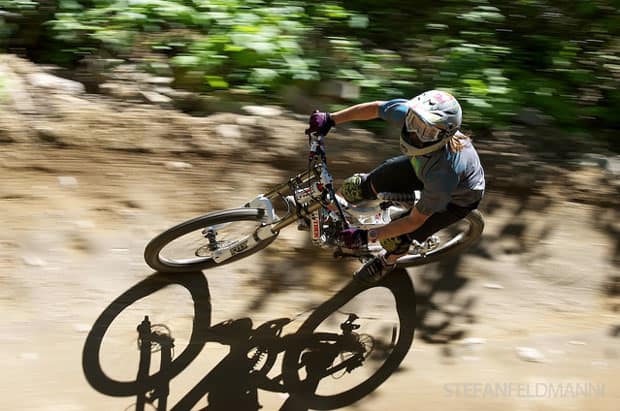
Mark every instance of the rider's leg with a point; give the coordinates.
(394, 175)
(378, 267)
(396, 247)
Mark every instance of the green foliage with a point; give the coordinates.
(497, 57)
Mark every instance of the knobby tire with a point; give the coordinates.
(152, 251)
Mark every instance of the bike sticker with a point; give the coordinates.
(316, 228)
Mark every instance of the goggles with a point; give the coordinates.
(424, 130)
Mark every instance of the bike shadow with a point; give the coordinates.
(307, 356)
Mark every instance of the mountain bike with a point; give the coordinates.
(310, 200)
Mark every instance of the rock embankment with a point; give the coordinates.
(39, 107)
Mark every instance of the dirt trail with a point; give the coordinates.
(527, 319)
(75, 223)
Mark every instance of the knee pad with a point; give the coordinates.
(396, 245)
(355, 188)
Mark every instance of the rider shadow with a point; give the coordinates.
(234, 382)
(443, 309)
(440, 313)
(514, 236)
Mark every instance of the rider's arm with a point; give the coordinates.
(358, 112)
(399, 227)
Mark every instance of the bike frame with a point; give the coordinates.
(317, 173)
(288, 188)
(310, 200)
(271, 224)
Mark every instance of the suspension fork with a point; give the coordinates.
(286, 188)
(289, 188)
(293, 217)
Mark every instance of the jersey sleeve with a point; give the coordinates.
(394, 111)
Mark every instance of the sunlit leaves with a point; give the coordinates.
(561, 58)
(482, 14)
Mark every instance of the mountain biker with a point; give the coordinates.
(439, 160)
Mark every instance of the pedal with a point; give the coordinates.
(430, 244)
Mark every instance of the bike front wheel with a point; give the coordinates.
(194, 244)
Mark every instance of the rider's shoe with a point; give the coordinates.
(374, 270)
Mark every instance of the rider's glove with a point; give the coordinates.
(353, 238)
(320, 122)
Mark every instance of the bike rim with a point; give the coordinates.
(203, 243)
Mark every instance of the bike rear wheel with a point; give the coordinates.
(191, 245)
(452, 240)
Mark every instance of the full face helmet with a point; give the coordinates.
(432, 118)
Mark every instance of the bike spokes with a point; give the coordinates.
(204, 242)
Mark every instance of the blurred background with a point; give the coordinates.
(121, 118)
(536, 62)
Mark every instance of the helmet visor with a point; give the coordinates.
(423, 128)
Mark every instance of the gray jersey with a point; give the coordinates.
(448, 177)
